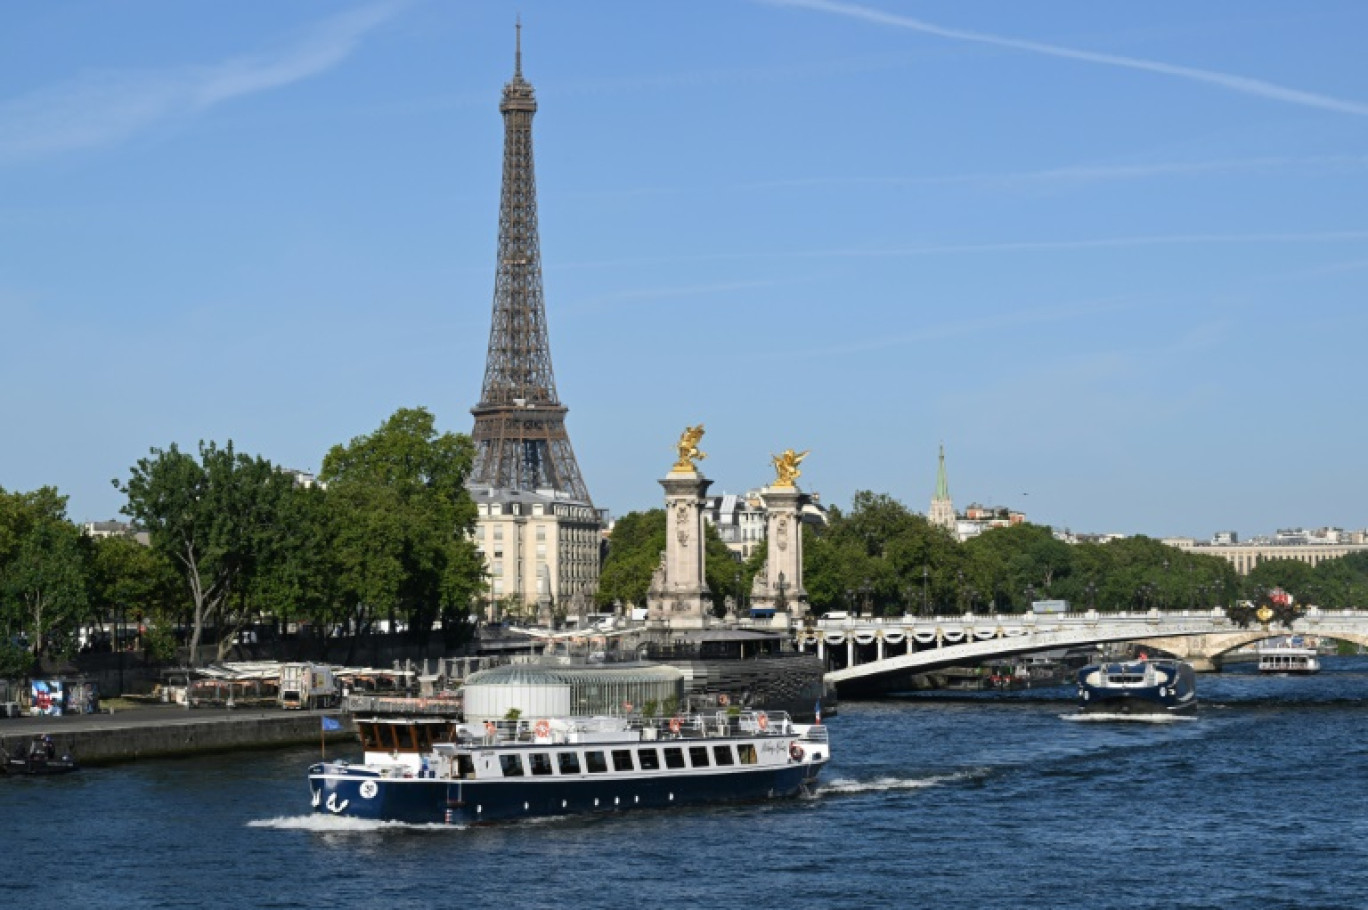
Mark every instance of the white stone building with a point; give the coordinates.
(740, 519)
(541, 548)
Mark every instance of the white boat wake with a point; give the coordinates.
(341, 824)
(843, 785)
(1092, 716)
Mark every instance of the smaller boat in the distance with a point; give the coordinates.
(1139, 687)
(39, 757)
(1288, 655)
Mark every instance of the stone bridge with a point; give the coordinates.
(872, 655)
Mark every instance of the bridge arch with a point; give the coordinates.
(905, 646)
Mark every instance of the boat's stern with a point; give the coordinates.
(812, 750)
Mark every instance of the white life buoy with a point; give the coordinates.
(675, 724)
(543, 728)
(762, 721)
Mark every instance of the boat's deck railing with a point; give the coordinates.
(709, 725)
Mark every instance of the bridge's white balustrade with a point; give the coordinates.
(912, 644)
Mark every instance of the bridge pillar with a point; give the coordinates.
(850, 651)
(679, 596)
(878, 647)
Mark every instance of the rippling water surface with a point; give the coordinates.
(977, 801)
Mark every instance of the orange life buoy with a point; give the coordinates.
(675, 725)
(795, 752)
(543, 729)
(489, 728)
(762, 721)
(723, 700)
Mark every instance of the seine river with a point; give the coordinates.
(992, 801)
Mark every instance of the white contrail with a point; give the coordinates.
(1234, 83)
(102, 108)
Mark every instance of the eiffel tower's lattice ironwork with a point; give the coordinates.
(520, 437)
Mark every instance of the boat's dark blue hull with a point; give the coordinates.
(438, 801)
(1161, 687)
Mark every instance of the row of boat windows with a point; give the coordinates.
(595, 761)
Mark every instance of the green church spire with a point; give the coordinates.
(942, 485)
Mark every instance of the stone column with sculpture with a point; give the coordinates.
(780, 587)
(679, 597)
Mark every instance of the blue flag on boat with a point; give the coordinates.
(331, 724)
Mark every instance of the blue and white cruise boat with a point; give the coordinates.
(1138, 687)
(434, 771)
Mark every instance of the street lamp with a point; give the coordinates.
(780, 603)
(1030, 596)
(926, 605)
(864, 591)
(1091, 590)
(736, 578)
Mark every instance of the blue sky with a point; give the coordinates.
(1113, 256)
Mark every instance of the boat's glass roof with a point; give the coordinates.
(543, 675)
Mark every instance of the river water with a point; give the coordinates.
(976, 801)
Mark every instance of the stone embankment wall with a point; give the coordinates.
(110, 739)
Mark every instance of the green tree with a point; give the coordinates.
(43, 571)
(634, 548)
(878, 551)
(215, 519)
(1292, 575)
(1339, 583)
(299, 582)
(1021, 562)
(402, 522)
(133, 583)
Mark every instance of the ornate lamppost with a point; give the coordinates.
(864, 602)
(1030, 597)
(926, 604)
(1091, 590)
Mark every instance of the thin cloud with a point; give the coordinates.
(1015, 246)
(1228, 81)
(104, 108)
(1082, 173)
(1099, 243)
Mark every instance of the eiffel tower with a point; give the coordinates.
(520, 438)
